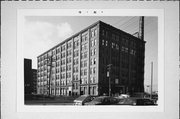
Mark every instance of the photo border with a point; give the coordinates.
(22, 13)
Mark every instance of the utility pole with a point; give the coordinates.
(50, 60)
(109, 75)
(151, 78)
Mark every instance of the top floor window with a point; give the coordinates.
(63, 48)
(93, 32)
(104, 33)
(69, 45)
(84, 38)
(76, 44)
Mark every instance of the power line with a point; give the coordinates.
(131, 25)
(125, 23)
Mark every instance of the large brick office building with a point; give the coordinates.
(79, 65)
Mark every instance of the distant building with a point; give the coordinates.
(30, 77)
(79, 65)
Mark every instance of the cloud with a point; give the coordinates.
(38, 30)
(64, 30)
(41, 36)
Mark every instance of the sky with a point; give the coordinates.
(44, 32)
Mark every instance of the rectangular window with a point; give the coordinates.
(95, 41)
(85, 54)
(102, 42)
(116, 81)
(95, 51)
(82, 64)
(91, 70)
(117, 46)
(92, 33)
(91, 52)
(94, 70)
(76, 44)
(94, 80)
(106, 43)
(85, 63)
(94, 60)
(91, 61)
(82, 72)
(84, 38)
(103, 32)
(95, 32)
(85, 71)
(92, 43)
(82, 55)
(85, 46)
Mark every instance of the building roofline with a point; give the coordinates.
(83, 30)
(67, 39)
(123, 32)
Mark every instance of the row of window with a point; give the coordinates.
(76, 53)
(93, 90)
(64, 82)
(69, 44)
(63, 69)
(76, 61)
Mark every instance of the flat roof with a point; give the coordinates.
(92, 25)
(76, 34)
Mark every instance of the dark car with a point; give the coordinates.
(136, 101)
(103, 100)
(144, 102)
(83, 99)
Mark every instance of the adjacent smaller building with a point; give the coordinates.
(30, 78)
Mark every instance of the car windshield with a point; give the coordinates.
(82, 97)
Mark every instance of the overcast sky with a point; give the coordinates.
(44, 32)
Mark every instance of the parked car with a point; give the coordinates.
(144, 101)
(83, 99)
(136, 101)
(103, 100)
